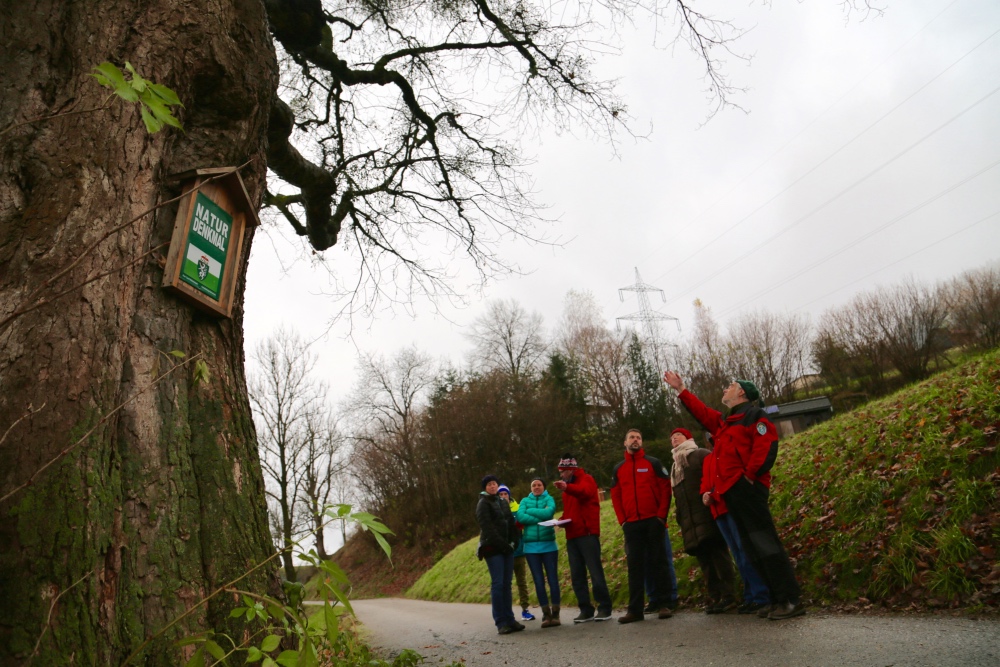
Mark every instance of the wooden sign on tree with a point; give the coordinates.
(207, 242)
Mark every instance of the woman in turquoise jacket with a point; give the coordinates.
(540, 548)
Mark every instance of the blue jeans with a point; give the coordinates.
(501, 569)
(549, 561)
(754, 589)
(671, 575)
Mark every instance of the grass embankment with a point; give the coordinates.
(894, 505)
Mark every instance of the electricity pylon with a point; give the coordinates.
(648, 318)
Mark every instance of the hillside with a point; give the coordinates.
(894, 505)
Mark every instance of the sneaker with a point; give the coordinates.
(664, 612)
(630, 618)
(714, 608)
(672, 605)
(751, 607)
(505, 629)
(585, 615)
(527, 615)
(517, 626)
(603, 615)
(765, 611)
(651, 608)
(785, 610)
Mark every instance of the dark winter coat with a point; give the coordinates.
(695, 519)
(497, 532)
(640, 488)
(746, 442)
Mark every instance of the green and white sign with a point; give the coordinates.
(207, 246)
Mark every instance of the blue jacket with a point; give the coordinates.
(532, 509)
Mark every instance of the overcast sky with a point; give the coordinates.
(870, 153)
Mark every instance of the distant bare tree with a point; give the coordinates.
(285, 399)
(911, 318)
(324, 458)
(600, 354)
(850, 344)
(384, 409)
(975, 305)
(771, 350)
(509, 339)
(704, 359)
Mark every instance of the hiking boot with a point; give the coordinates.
(765, 611)
(546, 616)
(506, 629)
(664, 612)
(651, 608)
(517, 626)
(785, 610)
(554, 618)
(751, 607)
(603, 615)
(527, 615)
(630, 618)
(587, 615)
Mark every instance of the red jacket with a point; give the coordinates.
(640, 488)
(718, 505)
(581, 504)
(746, 443)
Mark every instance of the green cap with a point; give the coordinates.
(750, 389)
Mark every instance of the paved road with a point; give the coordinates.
(464, 632)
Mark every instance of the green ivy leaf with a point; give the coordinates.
(236, 613)
(332, 623)
(198, 659)
(201, 375)
(168, 96)
(384, 544)
(268, 662)
(217, 652)
(289, 659)
(152, 125)
(177, 353)
(270, 643)
(254, 654)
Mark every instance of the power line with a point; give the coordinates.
(862, 238)
(788, 143)
(839, 194)
(902, 259)
(826, 159)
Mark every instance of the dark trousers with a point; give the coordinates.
(671, 577)
(585, 556)
(747, 505)
(645, 552)
(717, 568)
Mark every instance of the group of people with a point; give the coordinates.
(721, 507)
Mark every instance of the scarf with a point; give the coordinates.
(681, 452)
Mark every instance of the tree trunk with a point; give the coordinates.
(164, 501)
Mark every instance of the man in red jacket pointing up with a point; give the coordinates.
(746, 444)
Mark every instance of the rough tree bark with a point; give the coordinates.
(164, 501)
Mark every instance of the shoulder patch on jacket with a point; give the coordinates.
(761, 428)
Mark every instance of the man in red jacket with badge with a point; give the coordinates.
(582, 507)
(640, 493)
(746, 444)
